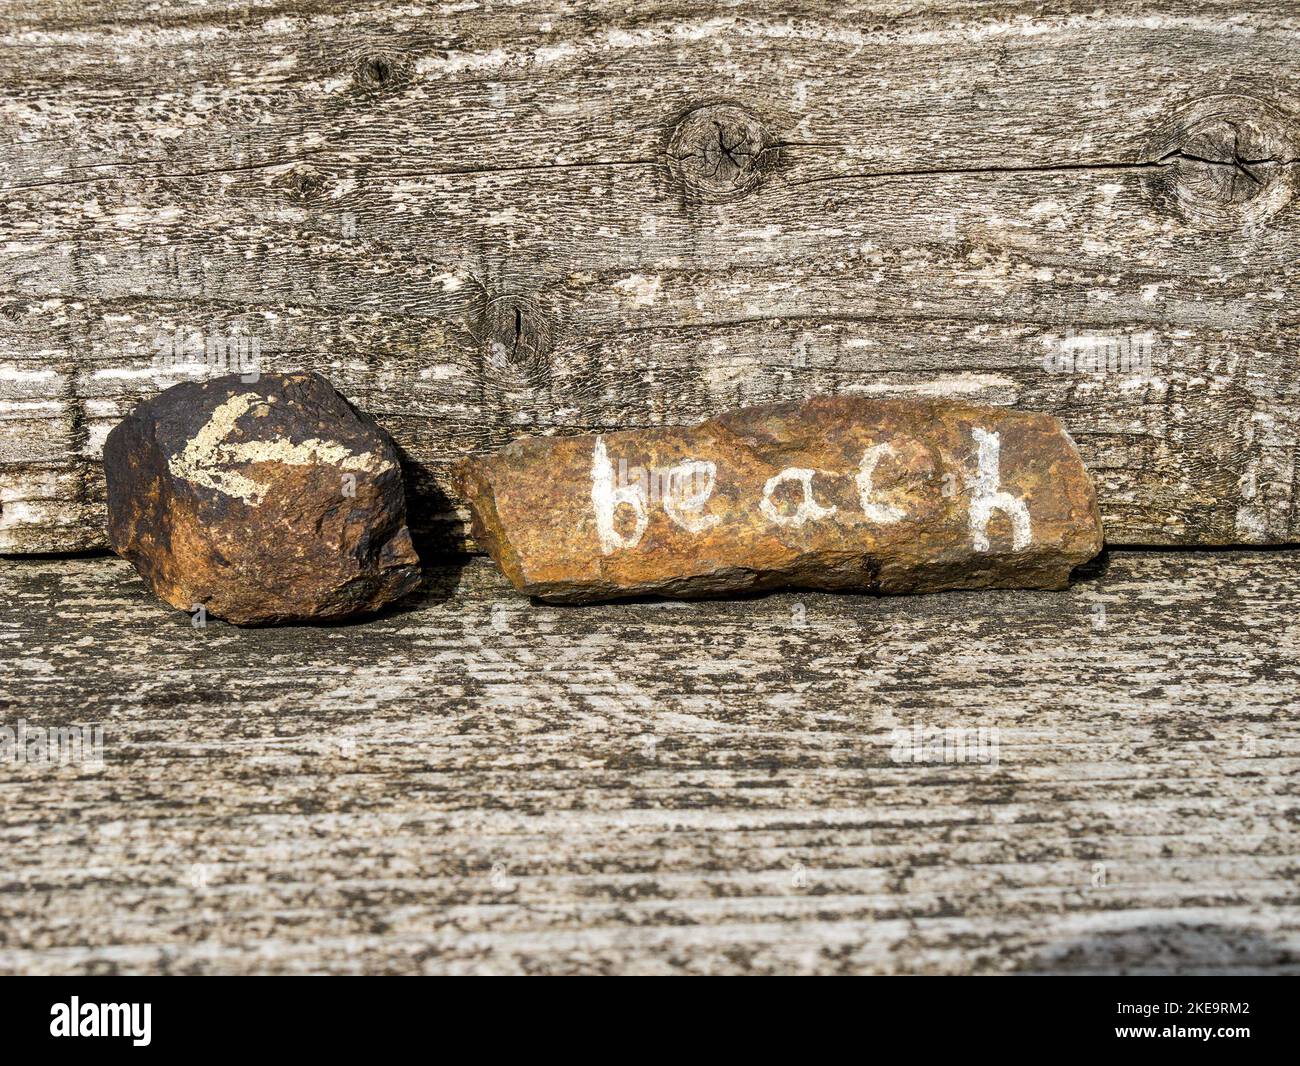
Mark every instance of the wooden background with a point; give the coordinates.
(536, 217)
(490, 219)
(479, 784)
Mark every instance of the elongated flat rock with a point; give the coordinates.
(262, 502)
(888, 496)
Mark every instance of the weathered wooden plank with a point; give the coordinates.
(478, 783)
(487, 222)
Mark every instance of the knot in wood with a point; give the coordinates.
(1229, 161)
(516, 338)
(721, 151)
(379, 72)
(301, 181)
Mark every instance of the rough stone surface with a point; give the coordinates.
(842, 492)
(270, 501)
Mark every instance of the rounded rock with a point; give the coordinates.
(260, 502)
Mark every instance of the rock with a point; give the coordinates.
(886, 496)
(269, 502)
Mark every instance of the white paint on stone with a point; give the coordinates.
(808, 509)
(883, 513)
(685, 499)
(203, 458)
(606, 498)
(988, 496)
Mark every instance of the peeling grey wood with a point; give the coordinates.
(481, 784)
(489, 221)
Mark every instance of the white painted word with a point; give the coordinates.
(688, 486)
(102, 1019)
(203, 457)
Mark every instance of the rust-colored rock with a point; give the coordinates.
(268, 502)
(835, 493)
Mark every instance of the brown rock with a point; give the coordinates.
(834, 493)
(268, 502)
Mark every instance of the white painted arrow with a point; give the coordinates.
(205, 459)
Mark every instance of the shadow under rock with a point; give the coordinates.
(428, 507)
(1085, 573)
(442, 556)
(1094, 568)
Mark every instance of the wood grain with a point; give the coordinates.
(485, 221)
(477, 783)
